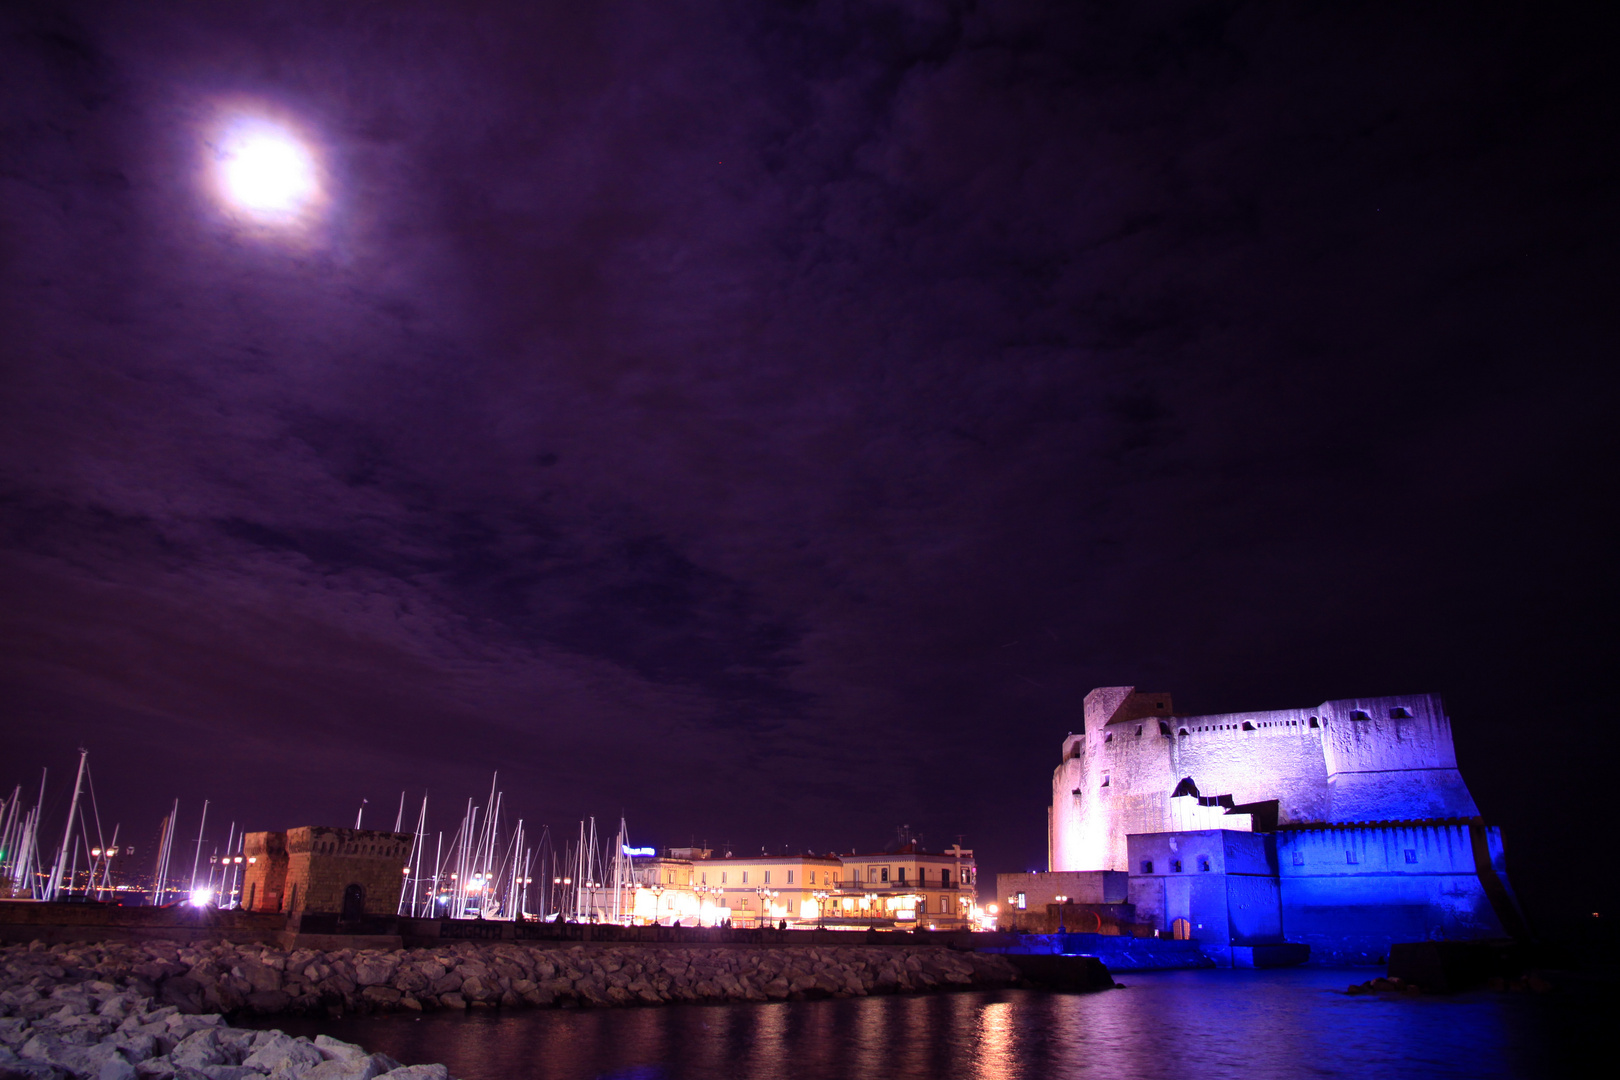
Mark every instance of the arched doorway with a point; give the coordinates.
(354, 903)
(1181, 930)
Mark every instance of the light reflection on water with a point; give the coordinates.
(1207, 1025)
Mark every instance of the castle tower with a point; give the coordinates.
(1356, 760)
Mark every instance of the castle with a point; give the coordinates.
(1345, 826)
(1359, 760)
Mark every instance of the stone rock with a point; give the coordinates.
(338, 1050)
(30, 1070)
(202, 1048)
(373, 971)
(116, 1068)
(283, 1054)
(419, 1072)
(230, 1072)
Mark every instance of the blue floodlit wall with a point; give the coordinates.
(1224, 883)
(1350, 892)
(1353, 760)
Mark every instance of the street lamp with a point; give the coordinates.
(821, 907)
(765, 894)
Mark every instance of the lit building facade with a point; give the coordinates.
(768, 889)
(1345, 826)
(908, 887)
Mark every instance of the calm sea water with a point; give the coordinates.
(1201, 1025)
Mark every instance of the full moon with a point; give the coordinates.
(266, 170)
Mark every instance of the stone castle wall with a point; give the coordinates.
(310, 869)
(1364, 759)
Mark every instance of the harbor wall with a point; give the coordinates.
(229, 977)
(26, 921)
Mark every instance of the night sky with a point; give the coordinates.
(769, 420)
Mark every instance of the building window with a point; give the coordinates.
(944, 879)
(1359, 714)
(1022, 901)
(1138, 731)
(1411, 856)
(902, 875)
(1183, 731)
(790, 877)
(944, 905)
(1398, 713)
(1147, 866)
(885, 873)
(1175, 866)
(703, 878)
(722, 877)
(1248, 726)
(767, 877)
(745, 877)
(1314, 723)
(672, 877)
(1350, 858)
(1203, 863)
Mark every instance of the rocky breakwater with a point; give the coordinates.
(93, 1031)
(221, 977)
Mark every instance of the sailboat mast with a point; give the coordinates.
(67, 835)
(203, 824)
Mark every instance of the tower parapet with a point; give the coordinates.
(1354, 760)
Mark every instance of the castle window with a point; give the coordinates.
(1158, 704)
(1175, 866)
(1147, 866)
(1314, 723)
(1350, 858)
(1203, 863)
(1109, 737)
(1411, 856)
(1183, 731)
(1299, 858)
(1022, 901)
(1138, 731)
(1105, 780)
(1358, 714)
(1247, 726)
(1164, 729)
(1398, 713)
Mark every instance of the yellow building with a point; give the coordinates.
(909, 888)
(766, 889)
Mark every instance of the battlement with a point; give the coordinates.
(1370, 759)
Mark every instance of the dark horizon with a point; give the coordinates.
(770, 421)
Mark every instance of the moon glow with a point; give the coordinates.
(265, 170)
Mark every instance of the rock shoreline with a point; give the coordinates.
(153, 1010)
(228, 978)
(91, 1030)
